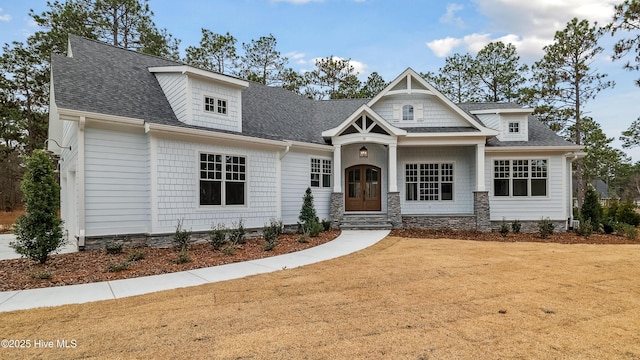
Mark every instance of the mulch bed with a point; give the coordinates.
(93, 265)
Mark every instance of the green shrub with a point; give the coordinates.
(626, 213)
(308, 211)
(303, 238)
(117, 267)
(181, 238)
(113, 247)
(326, 225)
(591, 210)
(237, 233)
(136, 256)
(626, 230)
(545, 228)
(217, 236)
(183, 257)
(270, 234)
(228, 250)
(504, 229)
(312, 228)
(585, 229)
(39, 231)
(516, 226)
(42, 275)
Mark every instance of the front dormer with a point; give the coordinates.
(202, 98)
(512, 124)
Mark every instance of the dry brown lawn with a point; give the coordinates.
(400, 299)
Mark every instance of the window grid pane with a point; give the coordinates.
(407, 112)
(209, 104)
(501, 169)
(411, 180)
(315, 172)
(210, 167)
(520, 168)
(326, 173)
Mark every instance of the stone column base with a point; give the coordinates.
(337, 209)
(394, 211)
(482, 211)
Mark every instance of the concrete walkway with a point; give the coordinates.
(347, 243)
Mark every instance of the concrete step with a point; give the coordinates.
(365, 222)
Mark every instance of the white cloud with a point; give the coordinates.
(528, 25)
(442, 47)
(450, 18)
(296, 57)
(5, 17)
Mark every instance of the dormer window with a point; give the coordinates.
(213, 105)
(514, 128)
(407, 112)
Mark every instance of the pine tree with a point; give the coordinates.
(39, 231)
(308, 211)
(591, 210)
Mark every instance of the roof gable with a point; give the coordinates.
(372, 123)
(411, 83)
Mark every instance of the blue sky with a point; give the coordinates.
(386, 36)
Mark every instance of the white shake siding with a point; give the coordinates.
(178, 188)
(463, 159)
(231, 121)
(116, 182)
(529, 208)
(296, 178)
(174, 87)
(428, 111)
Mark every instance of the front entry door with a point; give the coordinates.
(362, 188)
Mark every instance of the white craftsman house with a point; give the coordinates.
(147, 142)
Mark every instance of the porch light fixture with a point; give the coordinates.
(364, 152)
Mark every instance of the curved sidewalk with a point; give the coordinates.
(348, 242)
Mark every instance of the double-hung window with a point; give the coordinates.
(520, 177)
(320, 173)
(429, 181)
(222, 179)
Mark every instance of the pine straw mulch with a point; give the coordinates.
(93, 265)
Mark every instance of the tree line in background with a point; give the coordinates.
(557, 86)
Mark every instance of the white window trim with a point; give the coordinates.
(215, 105)
(511, 197)
(440, 200)
(322, 159)
(413, 108)
(516, 127)
(223, 190)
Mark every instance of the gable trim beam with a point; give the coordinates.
(208, 75)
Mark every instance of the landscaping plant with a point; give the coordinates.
(504, 228)
(591, 210)
(237, 233)
(181, 238)
(545, 228)
(217, 236)
(309, 221)
(39, 231)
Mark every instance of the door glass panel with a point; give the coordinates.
(371, 183)
(354, 183)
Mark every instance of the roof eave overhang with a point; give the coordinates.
(569, 149)
(199, 73)
(77, 115)
(514, 111)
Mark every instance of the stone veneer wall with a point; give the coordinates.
(441, 222)
(158, 241)
(337, 209)
(531, 226)
(394, 212)
(482, 210)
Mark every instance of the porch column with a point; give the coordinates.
(480, 181)
(393, 168)
(337, 168)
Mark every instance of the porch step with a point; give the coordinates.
(365, 222)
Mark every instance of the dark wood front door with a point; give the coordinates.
(362, 184)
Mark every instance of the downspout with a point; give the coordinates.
(80, 176)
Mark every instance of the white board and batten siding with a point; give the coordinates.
(178, 188)
(464, 174)
(296, 178)
(428, 110)
(526, 207)
(117, 185)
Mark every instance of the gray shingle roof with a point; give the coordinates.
(106, 79)
(539, 133)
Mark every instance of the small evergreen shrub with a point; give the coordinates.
(136, 256)
(591, 210)
(39, 231)
(313, 228)
(183, 258)
(303, 238)
(504, 228)
(585, 229)
(626, 230)
(228, 250)
(181, 238)
(516, 226)
(270, 234)
(113, 247)
(308, 211)
(626, 213)
(217, 236)
(42, 275)
(237, 233)
(545, 228)
(326, 224)
(117, 267)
